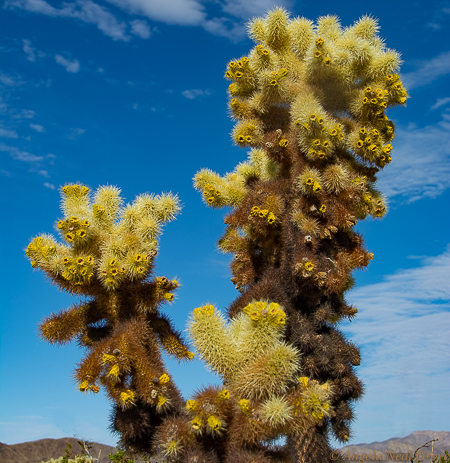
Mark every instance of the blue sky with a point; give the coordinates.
(131, 93)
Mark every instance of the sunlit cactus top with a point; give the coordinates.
(310, 102)
(107, 245)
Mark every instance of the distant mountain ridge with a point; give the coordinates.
(395, 449)
(399, 448)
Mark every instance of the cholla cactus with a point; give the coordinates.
(107, 257)
(309, 101)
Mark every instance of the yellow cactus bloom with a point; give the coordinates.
(127, 396)
(164, 379)
(67, 189)
(214, 423)
(274, 308)
(70, 237)
(115, 371)
(323, 208)
(271, 218)
(309, 266)
(254, 211)
(304, 381)
(244, 405)
(223, 395)
(196, 423)
(107, 358)
(84, 386)
(161, 401)
(192, 405)
(168, 297)
(283, 143)
(207, 310)
(61, 225)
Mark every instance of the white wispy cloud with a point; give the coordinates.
(49, 185)
(195, 93)
(19, 155)
(24, 114)
(76, 132)
(402, 328)
(228, 20)
(140, 28)
(7, 133)
(180, 12)
(428, 71)
(84, 10)
(44, 173)
(440, 102)
(250, 8)
(71, 66)
(29, 50)
(10, 81)
(37, 127)
(420, 165)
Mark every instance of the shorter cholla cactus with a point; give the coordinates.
(108, 257)
(248, 353)
(261, 373)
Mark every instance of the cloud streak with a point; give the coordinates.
(402, 328)
(83, 10)
(195, 93)
(420, 165)
(227, 21)
(428, 71)
(19, 155)
(71, 66)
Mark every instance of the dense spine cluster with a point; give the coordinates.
(309, 101)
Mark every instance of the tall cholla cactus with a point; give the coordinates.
(108, 257)
(309, 101)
